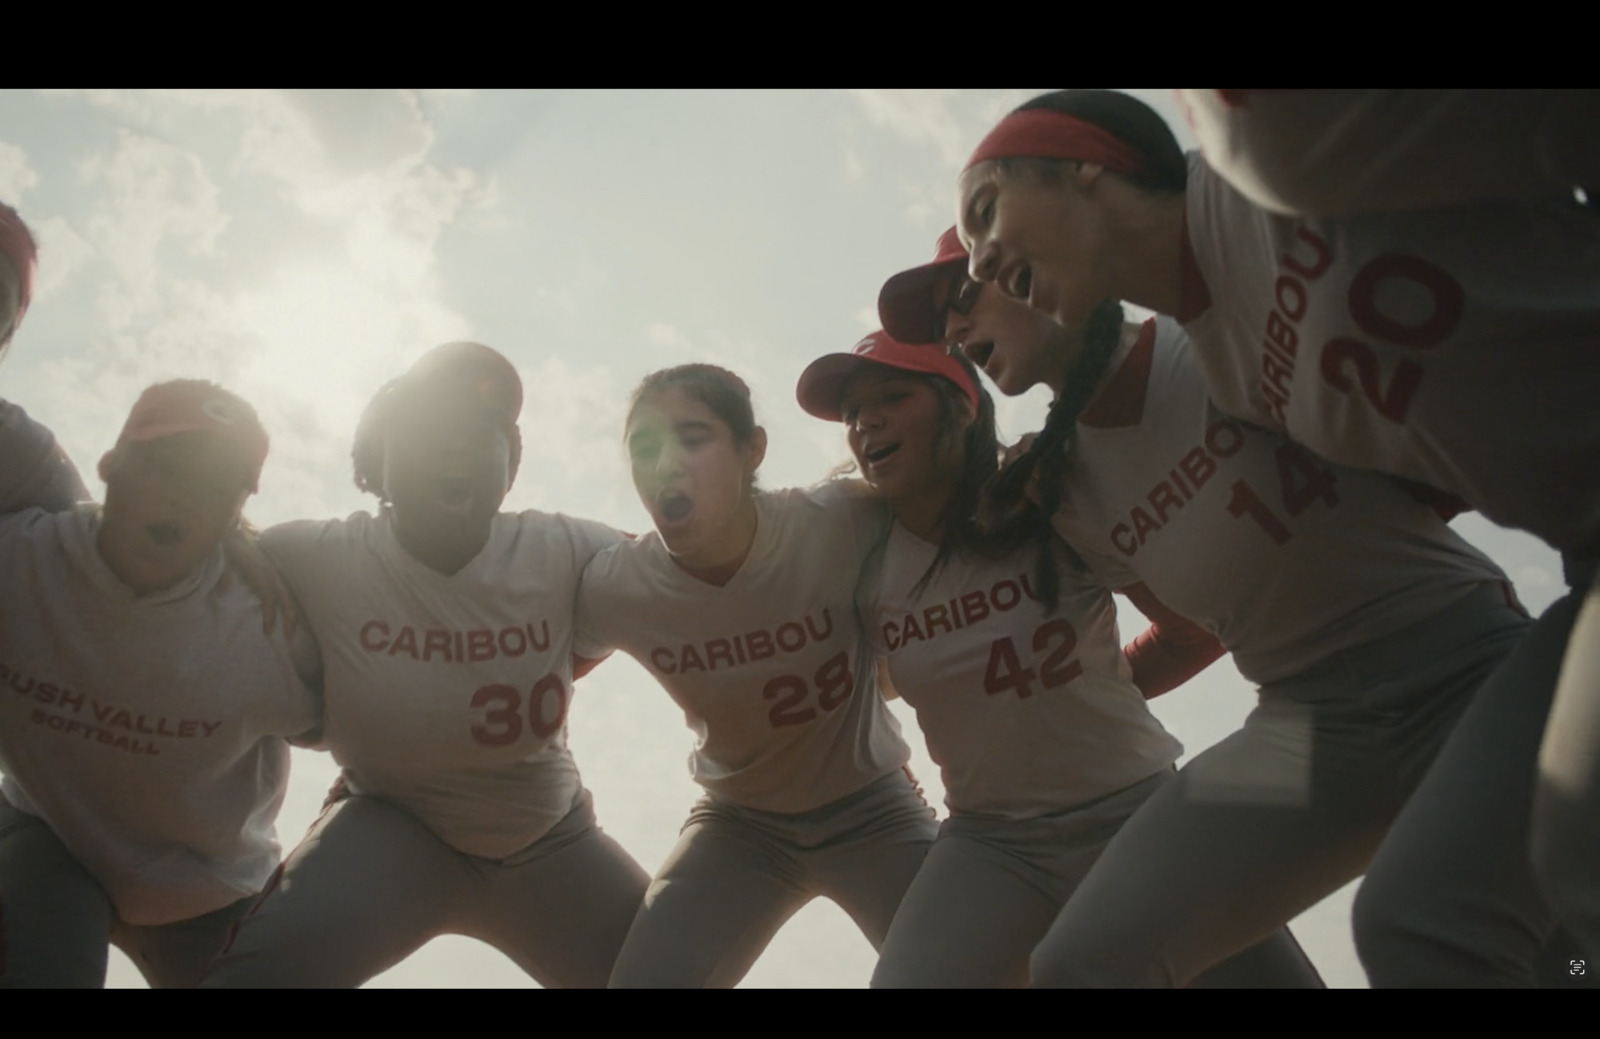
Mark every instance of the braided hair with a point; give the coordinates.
(1008, 514)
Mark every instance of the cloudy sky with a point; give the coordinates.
(301, 248)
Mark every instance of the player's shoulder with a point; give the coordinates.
(34, 535)
(842, 497)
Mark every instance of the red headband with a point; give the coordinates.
(1040, 133)
(16, 244)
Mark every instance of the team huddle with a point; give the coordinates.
(1362, 329)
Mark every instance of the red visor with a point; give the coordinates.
(1040, 133)
(822, 383)
(907, 302)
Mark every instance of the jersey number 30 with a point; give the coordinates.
(502, 715)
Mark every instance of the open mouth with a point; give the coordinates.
(674, 506)
(165, 534)
(454, 492)
(978, 353)
(878, 455)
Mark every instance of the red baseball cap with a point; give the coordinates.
(822, 383)
(196, 406)
(906, 303)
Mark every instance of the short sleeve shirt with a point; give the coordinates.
(1027, 712)
(1459, 347)
(771, 669)
(1284, 557)
(148, 731)
(448, 695)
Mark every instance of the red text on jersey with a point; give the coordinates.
(748, 648)
(1194, 470)
(455, 647)
(961, 611)
(1290, 298)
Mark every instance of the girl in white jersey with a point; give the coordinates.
(741, 604)
(1017, 677)
(1453, 347)
(34, 471)
(1364, 619)
(143, 714)
(447, 632)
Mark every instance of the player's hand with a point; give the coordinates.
(244, 554)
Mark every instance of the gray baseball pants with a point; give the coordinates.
(991, 888)
(1451, 900)
(736, 874)
(1280, 814)
(57, 923)
(370, 884)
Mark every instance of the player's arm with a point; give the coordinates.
(1171, 651)
(582, 665)
(885, 683)
(35, 473)
(256, 569)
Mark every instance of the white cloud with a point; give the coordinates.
(16, 174)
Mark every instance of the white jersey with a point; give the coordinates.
(1337, 152)
(1027, 714)
(148, 732)
(1285, 558)
(771, 669)
(1457, 348)
(34, 472)
(448, 695)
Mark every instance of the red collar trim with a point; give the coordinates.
(1194, 298)
(1120, 402)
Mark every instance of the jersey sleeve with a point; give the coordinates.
(590, 538)
(1171, 651)
(34, 471)
(296, 549)
(593, 634)
(869, 514)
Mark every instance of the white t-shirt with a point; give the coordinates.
(1285, 558)
(34, 472)
(1459, 348)
(1027, 714)
(448, 695)
(148, 732)
(771, 669)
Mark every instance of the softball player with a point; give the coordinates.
(1045, 745)
(1333, 153)
(447, 632)
(1450, 347)
(34, 471)
(741, 605)
(143, 714)
(1366, 622)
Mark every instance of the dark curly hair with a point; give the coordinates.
(390, 402)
